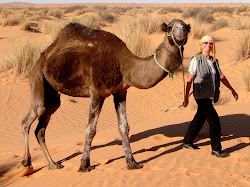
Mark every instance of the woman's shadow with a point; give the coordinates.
(233, 126)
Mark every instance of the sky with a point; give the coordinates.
(126, 1)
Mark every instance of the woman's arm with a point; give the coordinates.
(190, 80)
(224, 80)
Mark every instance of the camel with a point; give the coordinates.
(84, 62)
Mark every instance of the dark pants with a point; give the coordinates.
(207, 112)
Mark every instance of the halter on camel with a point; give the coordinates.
(171, 73)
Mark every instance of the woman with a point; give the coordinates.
(204, 72)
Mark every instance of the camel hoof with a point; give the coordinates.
(86, 169)
(55, 166)
(19, 171)
(135, 165)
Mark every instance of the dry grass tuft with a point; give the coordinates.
(198, 29)
(52, 28)
(221, 23)
(90, 20)
(246, 76)
(205, 17)
(242, 47)
(14, 19)
(134, 35)
(22, 56)
(55, 13)
(107, 16)
(74, 8)
(240, 24)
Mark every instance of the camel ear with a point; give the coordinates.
(188, 28)
(164, 27)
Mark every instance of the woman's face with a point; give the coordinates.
(207, 46)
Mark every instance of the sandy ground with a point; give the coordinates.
(156, 137)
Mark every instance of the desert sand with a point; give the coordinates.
(156, 136)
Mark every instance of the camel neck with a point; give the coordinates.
(146, 73)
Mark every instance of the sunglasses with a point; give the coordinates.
(209, 43)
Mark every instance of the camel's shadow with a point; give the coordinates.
(233, 126)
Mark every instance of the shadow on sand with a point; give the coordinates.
(233, 126)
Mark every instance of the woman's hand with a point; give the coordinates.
(235, 94)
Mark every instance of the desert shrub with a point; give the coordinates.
(130, 31)
(37, 17)
(151, 24)
(107, 16)
(162, 11)
(246, 76)
(204, 16)
(14, 19)
(52, 28)
(240, 9)
(222, 9)
(120, 10)
(147, 11)
(74, 8)
(191, 12)
(82, 11)
(99, 8)
(221, 23)
(55, 13)
(198, 29)
(5, 65)
(165, 10)
(242, 47)
(90, 20)
(246, 14)
(23, 55)
(25, 26)
(240, 24)
(5, 13)
(132, 12)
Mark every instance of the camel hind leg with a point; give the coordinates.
(52, 103)
(36, 110)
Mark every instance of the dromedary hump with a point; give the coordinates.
(75, 30)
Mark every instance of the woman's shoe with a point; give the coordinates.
(190, 146)
(220, 154)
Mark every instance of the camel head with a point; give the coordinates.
(177, 30)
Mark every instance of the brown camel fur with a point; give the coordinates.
(83, 62)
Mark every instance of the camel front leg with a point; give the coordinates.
(120, 106)
(96, 103)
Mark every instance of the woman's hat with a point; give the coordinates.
(206, 38)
